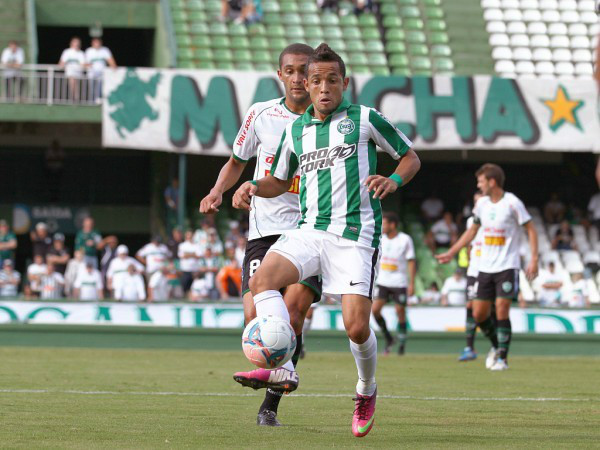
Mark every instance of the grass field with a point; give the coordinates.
(150, 398)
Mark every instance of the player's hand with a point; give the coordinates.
(243, 196)
(444, 258)
(410, 291)
(210, 204)
(380, 186)
(531, 271)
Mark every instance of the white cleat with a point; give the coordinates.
(491, 358)
(500, 364)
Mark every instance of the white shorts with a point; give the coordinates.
(346, 266)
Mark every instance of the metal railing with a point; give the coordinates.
(43, 84)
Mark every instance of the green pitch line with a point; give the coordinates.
(229, 339)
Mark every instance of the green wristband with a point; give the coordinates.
(254, 182)
(397, 178)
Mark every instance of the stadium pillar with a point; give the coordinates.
(182, 190)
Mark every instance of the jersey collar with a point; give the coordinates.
(308, 119)
(282, 102)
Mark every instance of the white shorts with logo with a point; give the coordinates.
(346, 266)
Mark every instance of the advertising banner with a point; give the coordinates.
(200, 112)
(327, 317)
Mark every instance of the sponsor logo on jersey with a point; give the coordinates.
(346, 126)
(495, 240)
(244, 133)
(295, 187)
(324, 158)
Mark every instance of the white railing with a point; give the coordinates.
(48, 85)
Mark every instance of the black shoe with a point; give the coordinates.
(401, 349)
(267, 418)
(389, 343)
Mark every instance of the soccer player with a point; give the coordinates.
(333, 147)
(499, 214)
(393, 285)
(259, 137)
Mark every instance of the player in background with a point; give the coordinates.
(393, 284)
(333, 147)
(499, 214)
(259, 137)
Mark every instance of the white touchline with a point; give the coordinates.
(315, 395)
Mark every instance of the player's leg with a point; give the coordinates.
(486, 295)
(507, 289)
(469, 353)
(402, 331)
(378, 305)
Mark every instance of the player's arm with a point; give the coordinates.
(532, 268)
(397, 145)
(463, 241)
(412, 273)
(229, 175)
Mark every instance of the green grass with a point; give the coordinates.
(439, 407)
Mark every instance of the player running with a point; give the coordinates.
(333, 147)
(397, 255)
(499, 214)
(259, 137)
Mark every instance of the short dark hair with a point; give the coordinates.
(391, 217)
(295, 49)
(492, 172)
(324, 53)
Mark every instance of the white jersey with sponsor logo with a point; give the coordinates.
(475, 254)
(500, 232)
(97, 59)
(395, 254)
(259, 137)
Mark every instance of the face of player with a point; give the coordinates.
(292, 74)
(484, 184)
(326, 87)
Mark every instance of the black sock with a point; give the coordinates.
(493, 315)
(381, 322)
(504, 336)
(402, 333)
(272, 398)
(489, 330)
(470, 328)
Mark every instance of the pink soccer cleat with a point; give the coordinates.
(364, 411)
(280, 379)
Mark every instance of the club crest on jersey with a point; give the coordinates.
(345, 126)
(324, 158)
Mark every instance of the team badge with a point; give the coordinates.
(346, 126)
(507, 286)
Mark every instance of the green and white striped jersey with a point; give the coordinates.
(333, 158)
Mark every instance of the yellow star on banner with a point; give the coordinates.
(563, 109)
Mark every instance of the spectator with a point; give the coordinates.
(200, 289)
(214, 242)
(579, 295)
(171, 196)
(230, 276)
(594, 210)
(240, 250)
(174, 278)
(241, 11)
(52, 283)
(209, 266)
(58, 255)
(432, 208)
(130, 287)
(159, 289)
(90, 241)
(431, 296)
(153, 255)
(41, 242)
(201, 234)
(361, 6)
(454, 291)
(443, 233)
(9, 280)
(564, 238)
(234, 233)
(554, 210)
(97, 58)
(174, 241)
(88, 285)
(328, 5)
(109, 252)
(74, 266)
(8, 243)
(189, 260)
(118, 267)
(33, 288)
(12, 59)
(72, 60)
(550, 285)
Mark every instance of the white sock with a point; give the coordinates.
(271, 303)
(365, 356)
(306, 326)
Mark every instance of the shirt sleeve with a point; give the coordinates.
(141, 290)
(63, 56)
(477, 212)
(285, 164)
(4, 58)
(410, 248)
(143, 252)
(107, 53)
(446, 287)
(389, 138)
(244, 146)
(520, 211)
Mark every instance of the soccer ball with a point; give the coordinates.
(269, 342)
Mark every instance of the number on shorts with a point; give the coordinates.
(254, 265)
